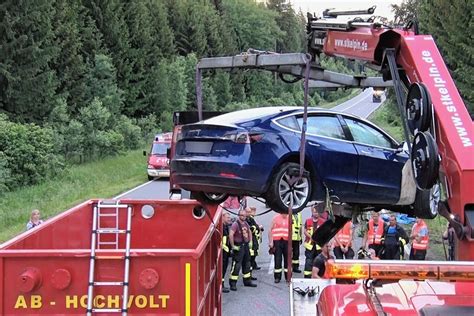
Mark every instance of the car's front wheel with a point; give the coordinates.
(209, 198)
(285, 189)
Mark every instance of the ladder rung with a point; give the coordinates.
(107, 214)
(111, 231)
(111, 206)
(110, 257)
(108, 283)
(107, 310)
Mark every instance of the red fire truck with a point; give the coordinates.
(158, 162)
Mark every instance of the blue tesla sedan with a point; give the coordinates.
(255, 152)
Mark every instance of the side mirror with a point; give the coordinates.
(144, 153)
(403, 147)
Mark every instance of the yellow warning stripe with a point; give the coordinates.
(188, 290)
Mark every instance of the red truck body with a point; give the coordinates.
(173, 271)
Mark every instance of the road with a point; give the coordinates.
(268, 298)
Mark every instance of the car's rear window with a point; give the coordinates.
(290, 122)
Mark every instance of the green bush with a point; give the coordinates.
(28, 154)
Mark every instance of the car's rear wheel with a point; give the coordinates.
(427, 202)
(286, 189)
(209, 198)
(150, 178)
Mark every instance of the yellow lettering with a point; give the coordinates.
(83, 301)
(152, 302)
(97, 303)
(71, 300)
(141, 301)
(21, 302)
(113, 301)
(36, 301)
(130, 300)
(164, 300)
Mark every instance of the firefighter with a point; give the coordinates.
(394, 237)
(278, 238)
(239, 237)
(419, 238)
(449, 235)
(296, 240)
(319, 263)
(256, 237)
(226, 254)
(311, 249)
(343, 241)
(373, 235)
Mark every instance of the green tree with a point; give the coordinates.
(26, 52)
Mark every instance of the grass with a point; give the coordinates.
(100, 179)
(388, 118)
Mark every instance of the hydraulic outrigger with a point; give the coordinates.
(437, 125)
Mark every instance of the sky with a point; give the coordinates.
(318, 6)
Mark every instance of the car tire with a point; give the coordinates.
(150, 178)
(427, 202)
(281, 192)
(209, 198)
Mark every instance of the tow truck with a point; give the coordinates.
(121, 256)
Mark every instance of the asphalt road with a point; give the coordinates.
(268, 298)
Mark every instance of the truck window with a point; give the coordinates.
(160, 148)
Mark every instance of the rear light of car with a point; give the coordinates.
(227, 175)
(244, 138)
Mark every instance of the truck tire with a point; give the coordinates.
(281, 191)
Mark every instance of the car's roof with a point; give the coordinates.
(258, 113)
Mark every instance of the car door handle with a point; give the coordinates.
(314, 144)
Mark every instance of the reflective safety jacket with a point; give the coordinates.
(225, 239)
(374, 237)
(344, 236)
(297, 222)
(423, 243)
(311, 226)
(280, 228)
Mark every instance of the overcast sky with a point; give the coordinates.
(318, 6)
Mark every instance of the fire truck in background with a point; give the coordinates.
(158, 162)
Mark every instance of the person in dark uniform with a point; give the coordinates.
(256, 237)
(296, 240)
(319, 263)
(240, 236)
(394, 237)
(311, 248)
(227, 222)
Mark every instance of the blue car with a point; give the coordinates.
(255, 152)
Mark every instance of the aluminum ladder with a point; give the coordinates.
(109, 209)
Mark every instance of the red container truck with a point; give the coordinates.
(173, 254)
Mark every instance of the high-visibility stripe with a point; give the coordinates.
(307, 272)
(247, 275)
(295, 261)
(277, 270)
(375, 237)
(188, 290)
(234, 277)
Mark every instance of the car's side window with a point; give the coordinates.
(290, 122)
(365, 134)
(327, 126)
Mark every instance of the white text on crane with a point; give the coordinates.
(446, 99)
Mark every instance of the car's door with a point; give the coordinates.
(380, 165)
(332, 154)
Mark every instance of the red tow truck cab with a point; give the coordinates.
(158, 162)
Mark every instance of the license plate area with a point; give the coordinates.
(198, 147)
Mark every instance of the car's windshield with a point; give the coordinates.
(160, 148)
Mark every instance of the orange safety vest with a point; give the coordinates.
(344, 236)
(308, 242)
(423, 244)
(375, 237)
(280, 228)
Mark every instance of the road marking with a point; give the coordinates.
(131, 190)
